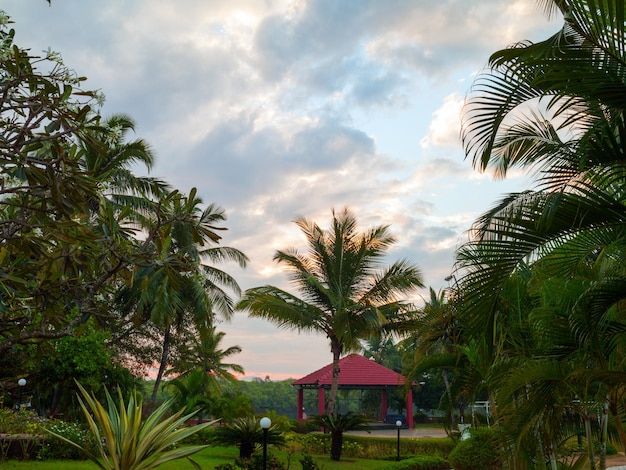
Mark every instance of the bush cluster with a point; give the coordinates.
(420, 462)
(25, 437)
(481, 452)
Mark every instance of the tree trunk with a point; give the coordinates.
(589, 436)
(163, 365)
(334, 386)
(618, 422)
(604, 423)
(335, 445)
(444, 376)
(56, 398)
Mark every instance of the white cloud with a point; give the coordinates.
(277, 109)
(445, 128)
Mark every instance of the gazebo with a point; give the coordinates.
(356, 373)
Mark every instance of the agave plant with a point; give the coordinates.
(128, 443)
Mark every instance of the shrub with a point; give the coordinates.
(127, 441)
(421, 462)
(245, 433)
(308, 463)
(480, 452)
(59, 449)
(256, 463)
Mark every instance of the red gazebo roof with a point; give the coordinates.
(355, 371)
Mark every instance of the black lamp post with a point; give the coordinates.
(265, 425)
(398, 425)
(21, 383)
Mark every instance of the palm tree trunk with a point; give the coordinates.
(336, 444)
(163, 364)
(604, 433)
(334, 386)
(618, 421)
(444, 375)
(589, 436)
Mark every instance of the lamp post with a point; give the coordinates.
(21, 383)
(398, 425)
(265, 425)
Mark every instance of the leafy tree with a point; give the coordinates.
(53, 265)
(271, 395)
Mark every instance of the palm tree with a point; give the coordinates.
(200, 351)
(108, 157)
(556, 108)
(344, 296)
(200, 368)
(246, 433)
(572, 138)
(180, 283)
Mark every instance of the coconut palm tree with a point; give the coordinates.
(346, 295)
(107, 156)
(182, 282)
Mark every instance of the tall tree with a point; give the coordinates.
(346, 293)
(557, 109)
(201, 350)
(181, 282)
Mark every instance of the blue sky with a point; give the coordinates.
(276, 109)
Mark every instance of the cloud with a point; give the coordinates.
(445, 128)
(284, 108)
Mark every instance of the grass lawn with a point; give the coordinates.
(207, 459)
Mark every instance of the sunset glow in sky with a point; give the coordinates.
(276, 109)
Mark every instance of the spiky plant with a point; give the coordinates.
(128, 443)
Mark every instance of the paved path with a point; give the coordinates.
(404, 433)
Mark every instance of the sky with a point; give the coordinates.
(279, 109)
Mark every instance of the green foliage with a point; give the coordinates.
(482, 451)
(255, 462)
(266, 394)
(128, 443)
(421, 462)
(309, 463)
(247, 435)
(57, 449)
(36, 442)
(373, 447)
(337, 424)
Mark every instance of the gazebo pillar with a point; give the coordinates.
(300, 404)
(321, 401)
(384, 404)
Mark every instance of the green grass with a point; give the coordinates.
(207, 459)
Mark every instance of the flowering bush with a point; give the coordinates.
(35, 442)
(55, 448)
(20, 422)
